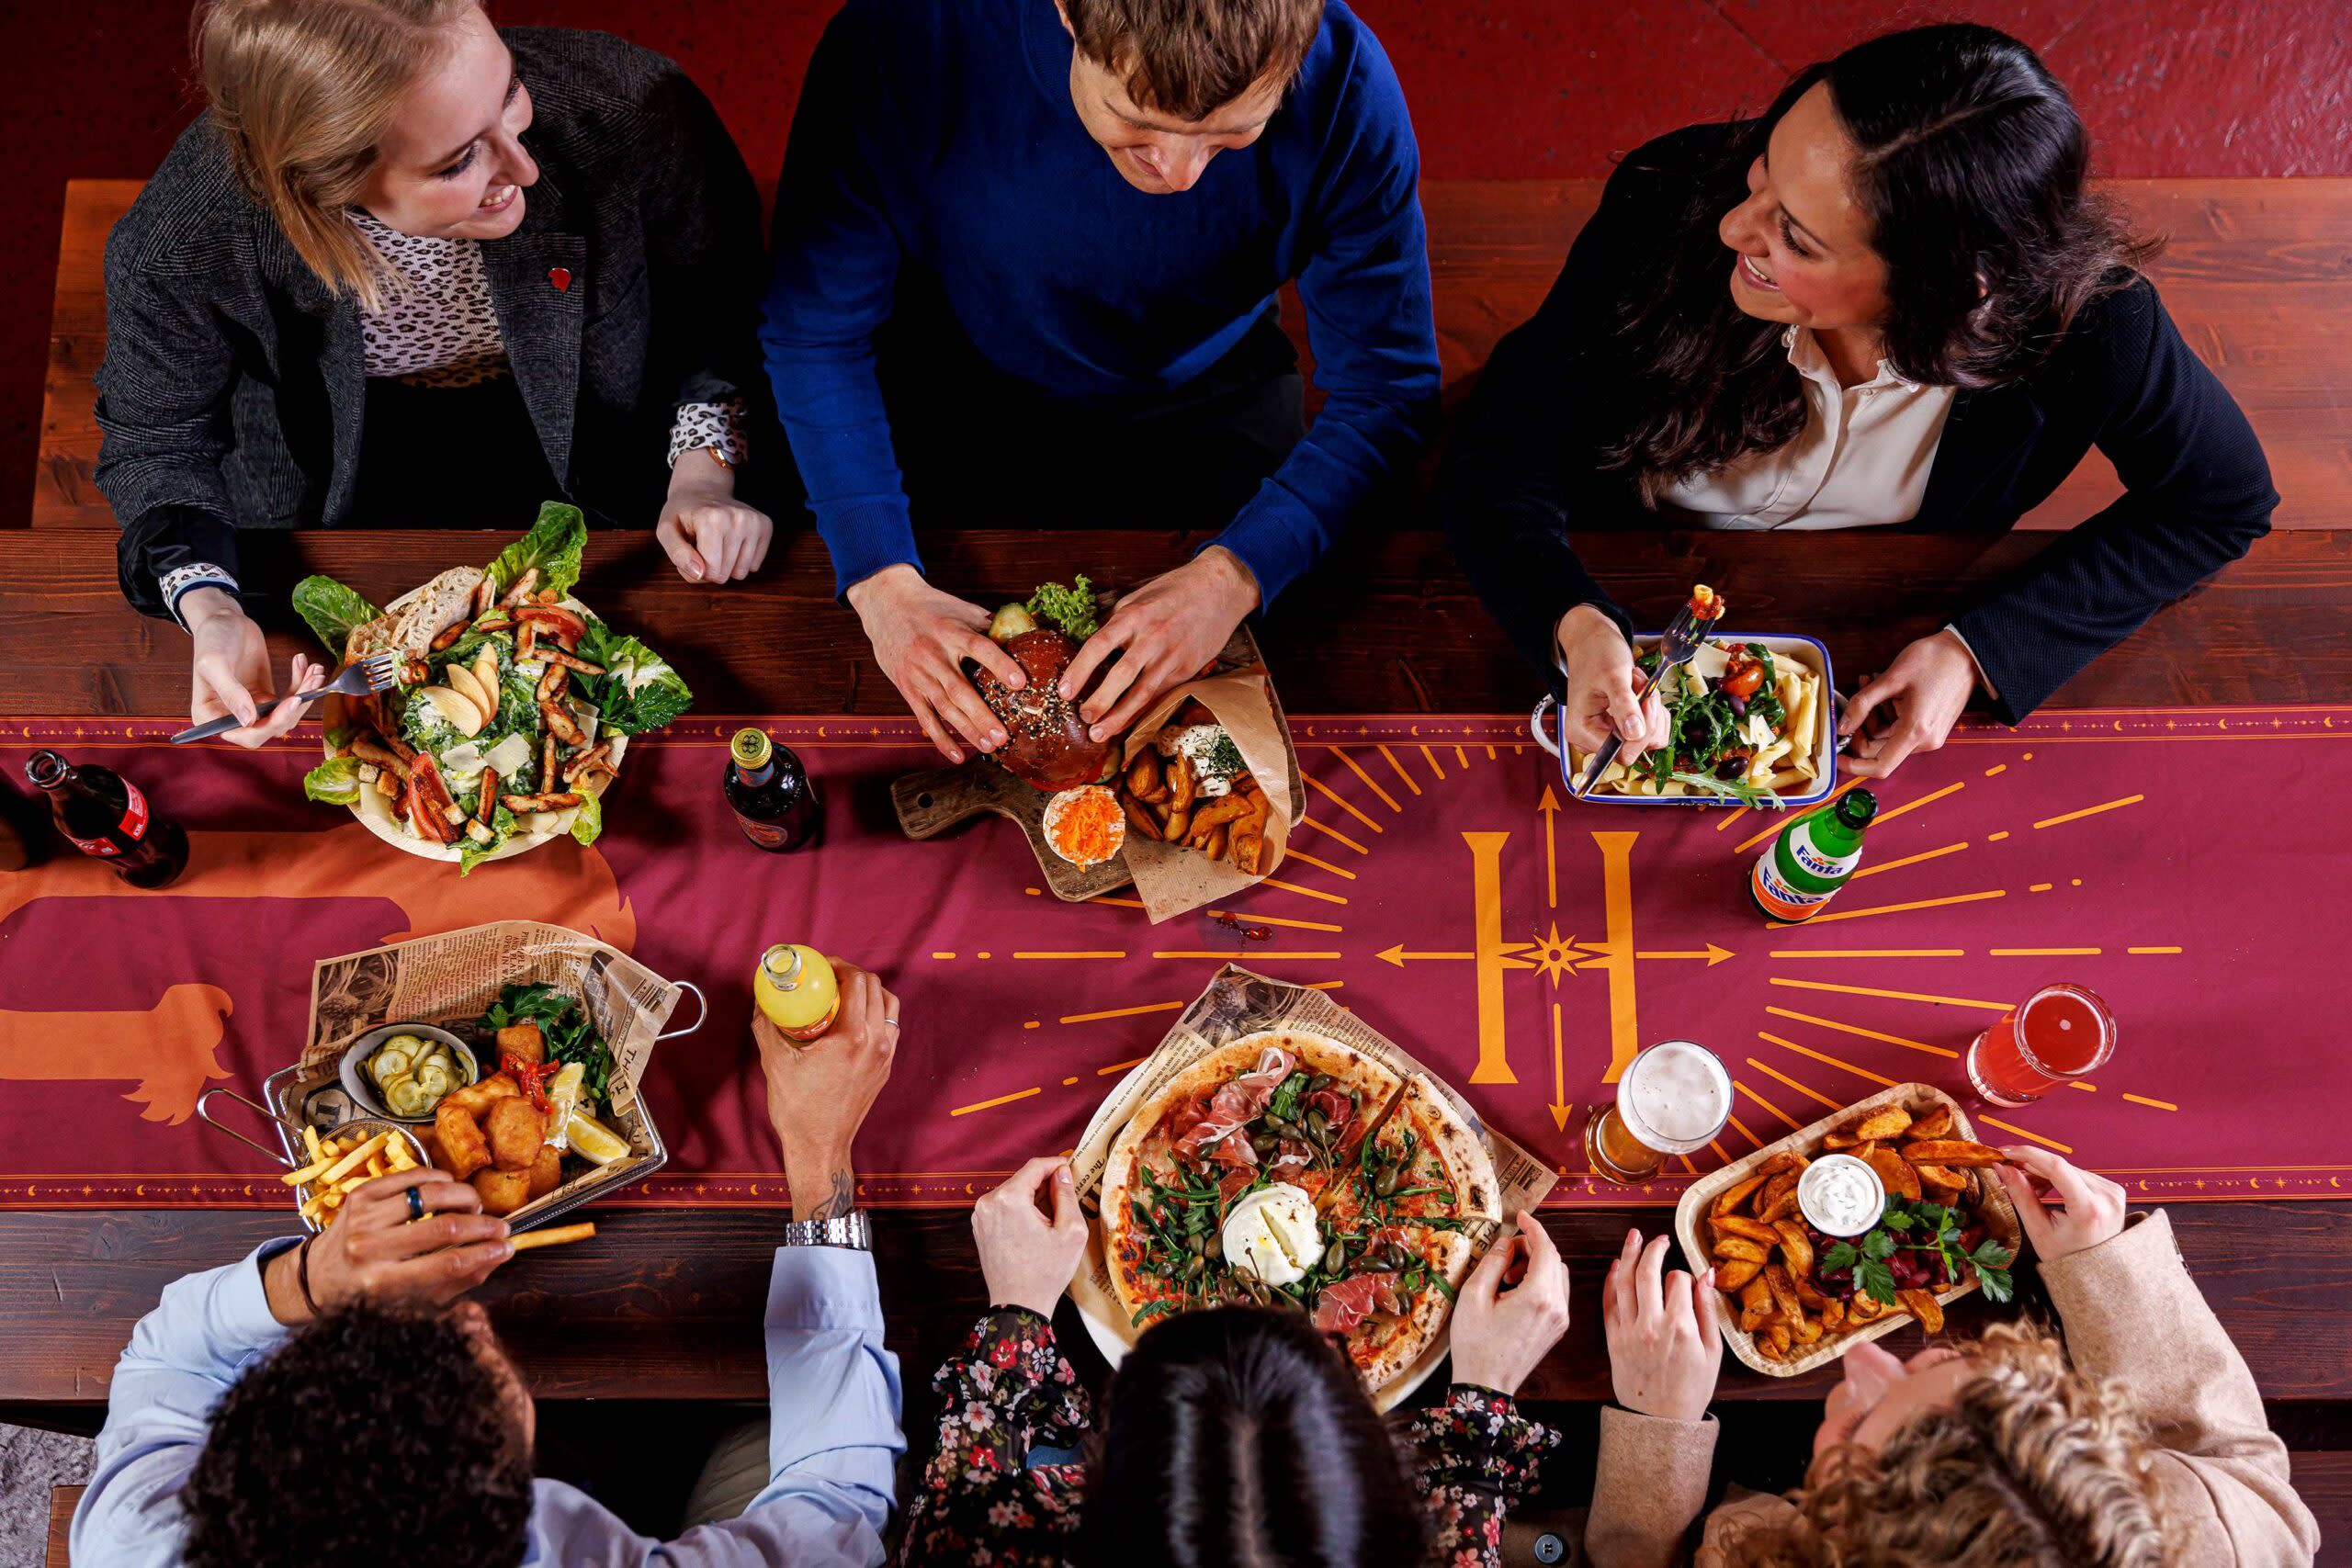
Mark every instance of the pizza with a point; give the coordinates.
(1290, 1169)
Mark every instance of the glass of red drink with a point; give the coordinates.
(2059, 1033)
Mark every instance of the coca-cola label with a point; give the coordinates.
(133, 824)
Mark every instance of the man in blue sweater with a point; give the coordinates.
(1026, 253)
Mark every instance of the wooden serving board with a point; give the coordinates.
(1920, 1098)
(937, 799)
(931, 802)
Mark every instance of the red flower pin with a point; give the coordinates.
(561, 277)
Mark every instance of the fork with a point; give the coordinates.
(370, 673)
(1685, 636)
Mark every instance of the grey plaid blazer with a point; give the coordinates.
(233, 391)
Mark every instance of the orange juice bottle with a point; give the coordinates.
(796, 989)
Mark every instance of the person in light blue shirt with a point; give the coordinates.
(332, 1401)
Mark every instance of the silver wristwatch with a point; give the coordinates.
(851, 1230)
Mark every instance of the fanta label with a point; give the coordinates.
(1786, 901)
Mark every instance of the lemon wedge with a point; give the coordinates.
(592, 1140)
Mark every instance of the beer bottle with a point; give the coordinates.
(104, 815)
(1810, 858)
(773, 800)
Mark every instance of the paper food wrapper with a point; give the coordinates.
(1170, 879)
(451, 979)
(1238, 1003)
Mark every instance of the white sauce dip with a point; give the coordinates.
(1841, 1195)
(1198, 743)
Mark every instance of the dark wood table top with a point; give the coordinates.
(666, 1305)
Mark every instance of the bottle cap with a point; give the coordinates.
(1856, 807)
(751, 749)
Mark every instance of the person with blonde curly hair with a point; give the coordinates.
(2138, 1443)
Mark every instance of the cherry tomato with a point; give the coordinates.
(1741, 678)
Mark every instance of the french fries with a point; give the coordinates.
(1765, 1259)
(555, 1236)
(340, 1164)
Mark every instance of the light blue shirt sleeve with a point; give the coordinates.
(182, 1358)
(833, 1398)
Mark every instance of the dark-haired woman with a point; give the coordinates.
(1230, 1437)
(411, 269)
(1889, 300)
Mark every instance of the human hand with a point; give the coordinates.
(1500, 1335)
(818, 1092)
(1600, 701)
(2093, 1206)
(921, 637)
(1923, 694)
(1028, 1257)
(1165, 632)
(375, 1252)
(231, 670)
(710, 534)
(1663, 1352)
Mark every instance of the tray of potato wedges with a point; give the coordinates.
(1794, 1294)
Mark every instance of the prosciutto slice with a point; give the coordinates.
(1341, 1307)
(1236, 1104)
(1336, 1107)
(1291, 1157)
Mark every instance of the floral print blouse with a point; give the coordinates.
(982, 1505)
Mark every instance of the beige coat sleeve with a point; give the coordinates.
(2132, 1314)
(1649, 1487)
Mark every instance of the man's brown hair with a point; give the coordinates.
(1188, 58)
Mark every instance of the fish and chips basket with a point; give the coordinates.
(1239, 1003)
(449, 980)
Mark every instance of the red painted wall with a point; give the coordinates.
(1508, 88)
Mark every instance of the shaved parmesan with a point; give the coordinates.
(510, 755)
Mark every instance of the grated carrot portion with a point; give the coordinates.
(1089, 828)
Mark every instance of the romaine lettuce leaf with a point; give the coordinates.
(639, 690)
(334, 781)
(471, 854)
(332, 610)
(588, 819)
(554, 545)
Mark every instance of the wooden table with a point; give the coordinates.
(665, 1305)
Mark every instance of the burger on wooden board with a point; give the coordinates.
(1046, 744)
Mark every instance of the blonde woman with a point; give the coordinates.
(2149, 1449)
(413, 269)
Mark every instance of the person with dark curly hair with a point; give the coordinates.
(2138, 1442)
(1893, 300)
(1232, 1436)
(334, 1401)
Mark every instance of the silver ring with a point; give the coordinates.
(415, 1204)
(890, 1023)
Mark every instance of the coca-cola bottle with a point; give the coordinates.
(104, 815)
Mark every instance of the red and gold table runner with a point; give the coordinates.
(2189, 864)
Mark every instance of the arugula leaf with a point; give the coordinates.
(1441, 1283)
(587, 818)
(1150, 1310)
(554, 545)
(334, 781)
(1284, 1103)
(1747, 794)
(639, 690)
(332, 610)
(570, 1035)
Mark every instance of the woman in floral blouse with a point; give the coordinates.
(1232, 1436)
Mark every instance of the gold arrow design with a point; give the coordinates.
(1559, 1107)
(1604, 953)
(1400, 955)
(1550, 807)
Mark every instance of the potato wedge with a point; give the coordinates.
(1955, 1152)
(1936, 1123)
(1806, 1330)
(1777, 1205)
(1942, 1182)
(1784, 1161)
(1861, 1309)
(1832, 1314)
(1899, 1176)
(1887, 1121)
(1732, 1275)
(1755, 1304)
(1781, 1337)
(1731, 1197)
(1835, 1142)
(1795, 1247)
(1784, 1290)
(1740, 1249)
(1809, 1298)
(1741, 1225)
(1923, 1306)
(1769, 1351)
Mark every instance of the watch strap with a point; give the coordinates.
(851, 1230)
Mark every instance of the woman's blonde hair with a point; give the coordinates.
(2031, 1466)
(300, 89)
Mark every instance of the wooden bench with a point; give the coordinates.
(2258, 274)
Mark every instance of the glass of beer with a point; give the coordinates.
(1674, 1099)
(2059, 1033)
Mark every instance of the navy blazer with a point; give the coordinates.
(1522, 470)
(233, 389)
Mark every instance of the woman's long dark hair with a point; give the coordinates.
(1971, 172)
(1242, 1439)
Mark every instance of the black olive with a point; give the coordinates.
(1395, 1256)
(1376, 1263)
(1335, 1256)
(1385, 1183)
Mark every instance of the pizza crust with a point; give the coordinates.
(1427, 1111)
(1349, 1068)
